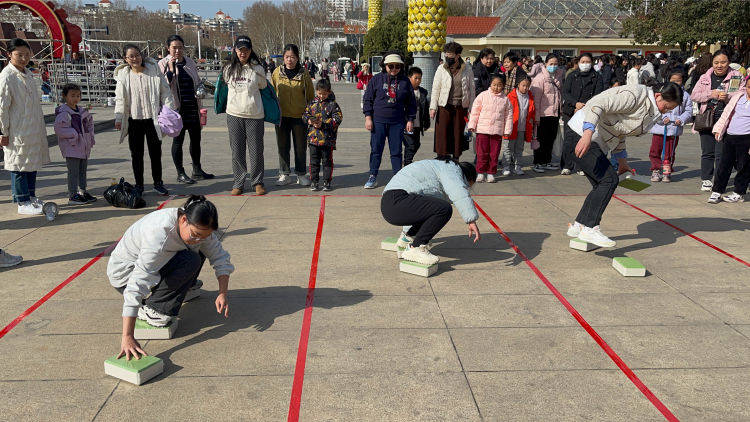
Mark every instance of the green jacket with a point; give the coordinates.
(295, 93)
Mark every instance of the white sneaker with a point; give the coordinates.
(37, 201)
(715, 198)
(194, 291)
(733, 197)
(581, 173)
(480, 177)
(506, 171)
(8, 260)
(565, 172)
(706, 185)
(518, 171)
(420, 254)
(152, 317)
(538, 168)
(284, 179)
(303, 180)
(490, 178)
(29, 208)
(595, 236)
(404, 240)
(574, 230)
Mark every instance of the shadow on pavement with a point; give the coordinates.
(491, 248)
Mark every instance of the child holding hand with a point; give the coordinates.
(74, 127)
(492, 120)
(323, 115)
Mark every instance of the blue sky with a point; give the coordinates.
(204, 8)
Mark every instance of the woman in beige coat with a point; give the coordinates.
(24, 137)
(140, 93)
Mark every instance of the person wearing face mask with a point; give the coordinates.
(547, 89)
(485, 66)
(603, 124)
(453, 93)
(580, 86)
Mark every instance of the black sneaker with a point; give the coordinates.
(327, 186)
(139, 190)
(77, 199)
(183, 178)
(89, 198)
(314, 186)
(199, 174)
(160, 189)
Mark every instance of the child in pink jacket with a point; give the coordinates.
(492, 120)
(74, 127)
(733, 129)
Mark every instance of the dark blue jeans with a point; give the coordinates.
(395, 134)
(603, 178)
(23, 185)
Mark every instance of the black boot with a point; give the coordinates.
(183, 178)
(199, 174)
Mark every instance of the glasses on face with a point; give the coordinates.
(394, 66)
(133, 56)
(194, 237)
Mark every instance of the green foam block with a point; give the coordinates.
(581, 245)
(145, 331)
(629, 267)
(416, 268)
(389, 244)
(135, 371)
(634, 182)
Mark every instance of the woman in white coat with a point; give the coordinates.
(140, 93)
(604, 123)
(24, 137)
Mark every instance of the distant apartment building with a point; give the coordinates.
(223, 22)
(338, 9)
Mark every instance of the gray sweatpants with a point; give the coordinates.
(246, 135)
(513, 150)
(76, 175)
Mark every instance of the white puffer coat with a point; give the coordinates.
(441, 87)
(22, 120)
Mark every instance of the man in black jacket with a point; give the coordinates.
(484, 68)
(580, 86)
(422, 121)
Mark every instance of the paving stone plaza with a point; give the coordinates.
(324, 326)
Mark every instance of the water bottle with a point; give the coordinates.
(50, 210)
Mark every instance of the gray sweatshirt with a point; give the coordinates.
(146, 247)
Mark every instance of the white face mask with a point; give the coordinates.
(584, 67)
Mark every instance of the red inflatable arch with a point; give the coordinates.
(55, 19)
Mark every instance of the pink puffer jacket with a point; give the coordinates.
(702, 91)
(73, 144)
(491, 114)
(547, 92)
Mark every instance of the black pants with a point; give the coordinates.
(735, 154)
(177, 277)
(426, 215)
(570, 140)
(292, 130)
(411, 145)
(604, 180)
(547, 132)
(194, 130)
(710, 155)
(321, 155)
(137, 131)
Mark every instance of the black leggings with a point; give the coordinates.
(137, 131)
(194, 130)
(426, 215)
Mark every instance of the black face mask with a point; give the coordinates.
(450, 61)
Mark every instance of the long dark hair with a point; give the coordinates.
(127, 47)
(294, 49)
(200, 212)
(235, 66)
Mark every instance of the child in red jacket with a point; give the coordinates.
(524, 126)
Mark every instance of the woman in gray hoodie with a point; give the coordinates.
(156, 264)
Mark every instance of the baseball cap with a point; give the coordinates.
(243, 41)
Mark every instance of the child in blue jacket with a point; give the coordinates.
(675, 120)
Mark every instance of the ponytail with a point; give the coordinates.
(200, 212)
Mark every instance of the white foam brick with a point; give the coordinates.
(416, 268)
(580, 245)
(134, 371)
(144, 331)
(389, 244)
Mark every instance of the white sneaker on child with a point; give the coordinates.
(506, 171)
(733, 197)
(420, 254)
(595, 236)
(29, 208)
(574, 229)
(490, 178)
(480, 177)
(404, 240)
(152, 317)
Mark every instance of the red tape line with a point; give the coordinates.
(60, 286)
(710, 245)
(299, 370)
(599, 340)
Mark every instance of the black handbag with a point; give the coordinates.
(706, 119)
(124, 195)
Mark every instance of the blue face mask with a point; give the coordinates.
(551, 68)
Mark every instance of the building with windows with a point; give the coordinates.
(538, 27)
(337, 9)
(223, 22)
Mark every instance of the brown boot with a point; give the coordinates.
(236, 191)
(260, 190)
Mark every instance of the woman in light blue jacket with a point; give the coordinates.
(419, 198)
(674, 120)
